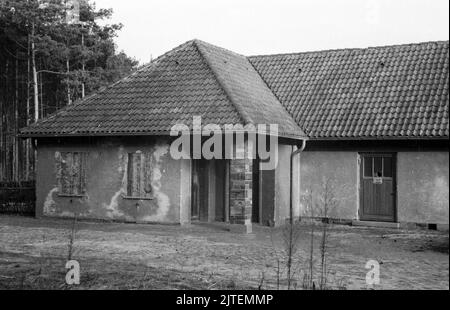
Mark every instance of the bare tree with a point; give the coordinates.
(327, 203)
(291, 236)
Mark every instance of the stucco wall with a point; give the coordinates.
(185, 191)
(422, 184)
(341, 171)
(282, 184)
(422, 187)
(106, 182)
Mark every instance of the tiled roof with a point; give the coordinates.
(254, 100)
(194, 79)
(382, 92)
(374, 93)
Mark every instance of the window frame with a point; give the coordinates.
(83, 156)
(364, 156)
(145, 157)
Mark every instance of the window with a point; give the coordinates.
(368, 167)
(378, 166)
(139, 175)
(71, 173)
(387, 167)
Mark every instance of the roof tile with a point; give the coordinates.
(394, 91)
(194, 79)
(384, 92)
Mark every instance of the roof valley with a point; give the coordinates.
(255, 101)
(270, 89)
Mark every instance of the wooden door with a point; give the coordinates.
(255, 192)
(219, 193)
(378, 192)
(200, 189)
(267, 191)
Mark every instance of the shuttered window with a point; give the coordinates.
(71, 173)
(139, 176)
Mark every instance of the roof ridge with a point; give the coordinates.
(218, 47)
(243, 99)
(245, 118)
(351, 49)
(172, 51)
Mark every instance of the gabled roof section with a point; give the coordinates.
(247, 91)
(185, 82)
(398, 92)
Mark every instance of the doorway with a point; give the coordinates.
(378, 187)
(200, 190)
(208, 190)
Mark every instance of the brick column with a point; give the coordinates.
(241, 190)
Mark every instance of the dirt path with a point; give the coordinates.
(115, 255)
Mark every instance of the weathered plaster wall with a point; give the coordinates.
(185, 191)
(422, 187)
(106, 182)
(341, 170)
(296, 198)
(282, 181)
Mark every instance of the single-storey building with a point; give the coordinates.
(372, 122)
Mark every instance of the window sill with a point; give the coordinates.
(71, 195)
(137, 198)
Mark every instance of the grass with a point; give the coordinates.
(22, 272)
(33, 253)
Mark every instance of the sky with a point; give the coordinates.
(255, 27)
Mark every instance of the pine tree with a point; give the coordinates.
(46, 62)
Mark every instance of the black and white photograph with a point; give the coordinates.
(235, 148)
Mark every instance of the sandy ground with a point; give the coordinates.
(33, 253)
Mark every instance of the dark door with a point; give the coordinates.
(377, 201)
(200, 188)
(255, 191)
(267, 188)
(220, 176)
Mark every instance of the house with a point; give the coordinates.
(372, 122)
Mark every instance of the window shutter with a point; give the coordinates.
(65, 173)
(58, 171)
(148, 172)
(76, 181)
(139, 174)
(130, 175)
(71, 172)
(83, 163)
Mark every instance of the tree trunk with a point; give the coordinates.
(35, 78)
(16, 175)
(2, 142)
(83, 67)
(69, 101)
(41, 93)
(27, 141)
